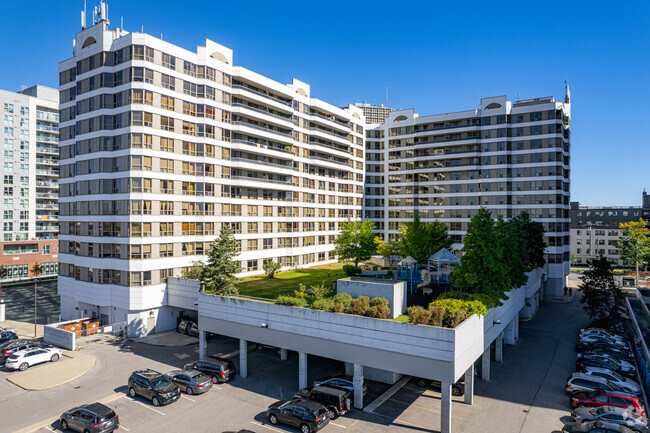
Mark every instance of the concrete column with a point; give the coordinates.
(516, 326)
(243, 358)
(485, 365)
(469, 385)
(445, 407)
(509, 332)
(302, 370)
(203, 344)
(2, 310)
(498, 352)
(357, 381)
(283, 354)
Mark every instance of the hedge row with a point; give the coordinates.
(342, 303)
(447, 313)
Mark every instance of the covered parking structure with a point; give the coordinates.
(400, 348)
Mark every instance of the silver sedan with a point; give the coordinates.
(612, 414)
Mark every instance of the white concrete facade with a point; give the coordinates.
(160, 146)
(504, 156)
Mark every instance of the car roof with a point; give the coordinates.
(328, 390)
(148, 373)
(31, 349)
(587, 376)
(98, 408)
(308, 404)
(220, 361)
(599, 370)
(173, 372)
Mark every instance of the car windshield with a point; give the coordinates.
(613, 386)
(200, 377)
(320, 412)
(597, 410)
(161, 382)
(106, 417)
(617, 376)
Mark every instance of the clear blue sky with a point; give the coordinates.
(436, 57)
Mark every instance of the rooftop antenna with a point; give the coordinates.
(387, 96)
(83, 17)
(122, 23)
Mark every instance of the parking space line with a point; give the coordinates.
(338, 425)
(266, 426)
(50, 429)
(124, 428)
(187, 398)
(144, 405)
(413, 425)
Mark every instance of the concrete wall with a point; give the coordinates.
(375, 374)
(394, 291)
(182, 293)
(52, 334)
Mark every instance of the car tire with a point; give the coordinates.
(215, 380)
(86, 431)
(54, 357)
(331, 414)
(155, 401)
(132, 392)
(64, 424)
(273, 419)
(422, 383)
(304, 428)
(456, 391)
(23, 366)
(189, 391)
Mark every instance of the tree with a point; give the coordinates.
(194, 271)
(270, 268)
(218, 274)
(530, 237)
(635, 245)
(356, 242)
(511, 253)
(574, 259)
(482, 268)
(389, 250)
(421, 240)
(599, 292)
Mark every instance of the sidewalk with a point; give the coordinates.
(23, 329)
(71, 366)
(169, 338)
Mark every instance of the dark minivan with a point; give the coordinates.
(155, 386)
(308, 415)
(337, 401)
(91, 418)
(218, 369)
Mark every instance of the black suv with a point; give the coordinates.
(91, 418)
(306, 414)
(218, 369)
(337, 401)
(157, 387)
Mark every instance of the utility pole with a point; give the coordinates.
(36, 272)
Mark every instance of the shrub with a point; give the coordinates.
(360, 305)
(419, 315)
(379, 311)
(301, 292)
(454, 319)
(291, 301)
(337, 307)
(437, 314)
(453, 294)
(323, 304)
(351, 270)
(475, 307)
(270, 268)
(319, 291)
(487, 300)
(343, 299)
(379, 301)
(451, 305)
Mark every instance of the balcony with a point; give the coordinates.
(261, 93)
(264, 128)
(47, 149)
(46, 172)
(50, 117)
(263, 111)
(331, 119)
(258, 179)
(47, 138)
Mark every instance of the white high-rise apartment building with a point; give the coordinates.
(160, 146)
(507, 157)
(29, 133)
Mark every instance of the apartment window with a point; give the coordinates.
(267, 243)
(166, 123)
(167, 102)
(252, 227)
(251, 265)
(168, 82)
(252, 210)
(252, 245)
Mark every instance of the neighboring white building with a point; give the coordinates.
(375, 114)
(29, 132)
(507, 157)
(160, 146)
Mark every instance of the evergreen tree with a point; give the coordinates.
(599, 292)
(218, 274)
(511, 254)
(530, 237)
(357, 241)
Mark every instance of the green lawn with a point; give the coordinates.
(286, 282)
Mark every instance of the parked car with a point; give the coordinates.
(154, 386)
(601, 339)
(457, 388)
(595, 427)
(583, 382)
(340, 382)
(612, 414)
(337, 401)
(13, 330)
(24, 359)
(17, 345)
(624, 365)
(188, 327)
(90, 418)
(6, 336)
(191, 381)
(218, 369)
(607, 398)
(308, 415)
(583, 363)
(628, 385)
(584, 347)
(601, 332)
(613, 353)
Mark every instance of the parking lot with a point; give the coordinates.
(525, 394)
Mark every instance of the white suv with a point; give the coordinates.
(26, 358)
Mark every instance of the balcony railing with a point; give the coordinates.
(264, 95)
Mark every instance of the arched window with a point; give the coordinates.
(219, 56)
(88, 42)
(493, 105)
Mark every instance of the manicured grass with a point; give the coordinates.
(286, 282)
